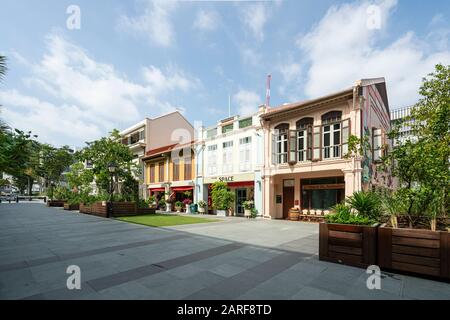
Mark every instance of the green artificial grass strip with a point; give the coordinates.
(163, 220)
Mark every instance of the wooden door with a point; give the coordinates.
(288, 200)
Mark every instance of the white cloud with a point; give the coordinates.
(291, 71)
(48, 121)
(88, 98)
(154, 23)
(341, 49)
(206, 20)
(255, 17)
(247, 102)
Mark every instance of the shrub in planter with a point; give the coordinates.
(248, 206)
(222, 199)
(187, 203)
(202, 206)
(343, 215)
(152, 202)
(162, 204)
(349, 235)
(253, 213)
(178, 206)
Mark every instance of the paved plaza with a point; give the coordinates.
(235, 258)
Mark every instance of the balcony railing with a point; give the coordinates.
(327, 153)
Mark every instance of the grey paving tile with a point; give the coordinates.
(311, 293)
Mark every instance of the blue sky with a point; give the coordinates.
(136, 59)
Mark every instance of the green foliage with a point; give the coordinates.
(367, 204)
(222, 199)
(53, 162)
(162, 203)
(393, 204)
(253, 213)
(248, 204)
(178, 204)
(61, 193)
(109, 150)
(79, 177)
(152, 200)
(18, 152)
(422, 164)
(356, 146)
(143, 203)
(342, 213)
(202, 204)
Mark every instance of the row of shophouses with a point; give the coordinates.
(293, 155)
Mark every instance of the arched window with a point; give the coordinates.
(332, 116)
(331, 134)
(280, 144)
(304, 138)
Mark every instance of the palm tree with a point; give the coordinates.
(3, 67)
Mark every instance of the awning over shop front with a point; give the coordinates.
(182, 188)
(241, 184)
(156, 189)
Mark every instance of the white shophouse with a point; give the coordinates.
(232, 151)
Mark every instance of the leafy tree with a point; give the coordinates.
(422, 164)
(52, 163)
(109, 150)
(79, 177)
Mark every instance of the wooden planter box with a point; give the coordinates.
(85, 208)
(422, 252)
(75, 206)
(55, 203)
(348, 244)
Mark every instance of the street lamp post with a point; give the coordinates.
(112, 170)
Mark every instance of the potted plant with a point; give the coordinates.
(202, 206)
(253, 213)
(178, 206)
(187, 204)
(248, 206)
(222, 198)
(349, 235)
(162, 204)
(169, 201)
(152, 202)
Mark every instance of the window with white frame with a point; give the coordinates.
(227, 163)
(245, 149)
(304, 139)
(331, 134)
(280, 144)
(212, 159)
(377, 144)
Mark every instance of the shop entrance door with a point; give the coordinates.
(241, 196)
(288, 197)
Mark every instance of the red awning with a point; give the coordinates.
(182, 188)
(156, 189)
(241, 184)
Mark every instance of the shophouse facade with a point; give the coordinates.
(232, 152)
(307, 163)
(151, 134)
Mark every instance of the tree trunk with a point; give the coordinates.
(433, 224)
(394, 221)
